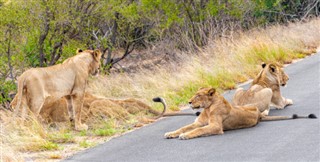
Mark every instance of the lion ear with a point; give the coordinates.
(211, 91)
(79, 50)
(263, 65)
(96, 55)
(273, 68)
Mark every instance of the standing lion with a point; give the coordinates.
(41, 86)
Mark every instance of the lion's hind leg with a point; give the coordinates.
(251, 116)
(242, 117)
(262, 100)
(23, 109)
(237, 95)
(36, 105)
(70, 108)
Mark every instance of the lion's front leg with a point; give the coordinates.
(175, 134)
(280, 102)
(203, 131)
(215, 127)
(77, 102)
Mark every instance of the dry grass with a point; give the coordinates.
(222, 64)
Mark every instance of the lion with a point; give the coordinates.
(95, 107)
(264, 90)
(219, 115)
(42, 86)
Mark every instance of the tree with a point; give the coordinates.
(11, 28)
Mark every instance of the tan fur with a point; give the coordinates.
(43, 86)
(97, 107)
(264, 90)
(218, 115)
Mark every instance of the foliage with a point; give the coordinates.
(45, 32)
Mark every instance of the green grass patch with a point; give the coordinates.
(86, 144)
(266, 53)
(49, 146)
(182, 95)
(221, 80)
(105, 132)
(62, 138)
(300, 55)
(83, 133)
(107, 128)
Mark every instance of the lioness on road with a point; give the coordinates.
(39, 86)
(218, 115)
(264, 90)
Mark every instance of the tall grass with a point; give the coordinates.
(222, 64)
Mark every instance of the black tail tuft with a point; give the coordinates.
(156, 99)
(198, 113)
(294, 116)
(312, 116)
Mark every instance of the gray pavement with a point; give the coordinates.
(290, 140)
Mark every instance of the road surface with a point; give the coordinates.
(290, 140)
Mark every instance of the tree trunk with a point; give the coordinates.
(43, 36)
(113, 40)
(9, 55)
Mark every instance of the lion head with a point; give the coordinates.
(275, 73)
(203, 98)
(94, 68)
(95, 65)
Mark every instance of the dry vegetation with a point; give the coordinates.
(222, 64)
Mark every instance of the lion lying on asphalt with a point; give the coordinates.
(264, 90)
(218, 115)
(42, 86)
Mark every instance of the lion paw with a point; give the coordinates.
(289, 101)
(265, 112)
(81, 127)
(183, 136)
(169, 135)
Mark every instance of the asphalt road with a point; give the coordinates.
(290, 140)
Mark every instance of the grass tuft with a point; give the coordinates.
(61, 137)
(86, 144)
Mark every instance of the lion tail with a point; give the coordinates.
(19, 95)
(294, 116)
(163, 113)
(160, 99)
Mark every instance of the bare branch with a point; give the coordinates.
(311, 8)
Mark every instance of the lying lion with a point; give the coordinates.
(97, 107)
(42, 86)
(264, 90)
(218, 115)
